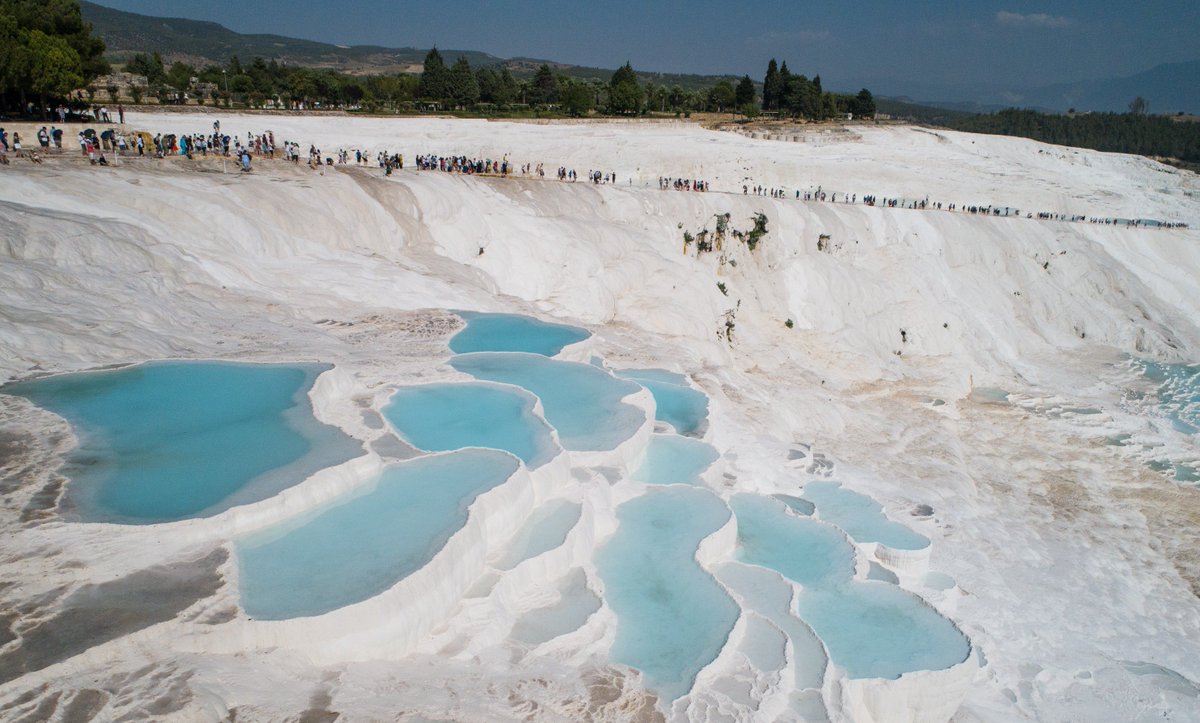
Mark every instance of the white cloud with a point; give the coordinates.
(1033, 20)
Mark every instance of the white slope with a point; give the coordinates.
(1069, 558)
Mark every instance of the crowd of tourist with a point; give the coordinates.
(263, 145)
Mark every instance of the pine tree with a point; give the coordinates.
(489, 83)
(863, 105)
(624, 93)
(464, 90)
(545, 87)
(435, 78)
(507, 91)
(745, 92)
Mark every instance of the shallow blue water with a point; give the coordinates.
(872, 629)
(363, 543)
(878, 630)
(861, 517)
(513, 332)
(798, 548)
(582, 402)
(444, 417)
(1178, 393)
(171, 440)
(671, 459)
(684, 408)
(672, 616)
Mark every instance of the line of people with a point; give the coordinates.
(263, 145)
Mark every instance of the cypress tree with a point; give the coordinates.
(772, 89)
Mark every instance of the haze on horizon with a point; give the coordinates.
(951, 43)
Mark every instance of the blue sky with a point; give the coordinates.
(849, 43)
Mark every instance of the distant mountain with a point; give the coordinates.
(202, 43)
(1169, 88)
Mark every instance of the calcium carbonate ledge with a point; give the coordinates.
(922, 696)
(393, 623)
(807, 659)
(511, 596)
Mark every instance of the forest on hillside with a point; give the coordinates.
(1132, 132)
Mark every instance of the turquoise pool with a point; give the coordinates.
(671, 459)
(366, 542)
(877, 630)
(798, 548)
(861, 517)
(871, 629)
(167, 441)
(582, 402)
(680, 406)
(513, 332)
(672, 616)
(444, 417)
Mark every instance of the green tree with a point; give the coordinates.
(801, 98)
(488, 81)
(54, 67)
(507, 91)
(772, 87)
(464, 90)
(60, 19)
(745, 92)
(677, 98)
(544, 89)
(625, 96)
(721, 96)
(863, 105)
(578, 98)
(14, 57)
(179, 76)
(435, 78)
(150, 66)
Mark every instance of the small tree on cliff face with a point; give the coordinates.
(625, 96)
